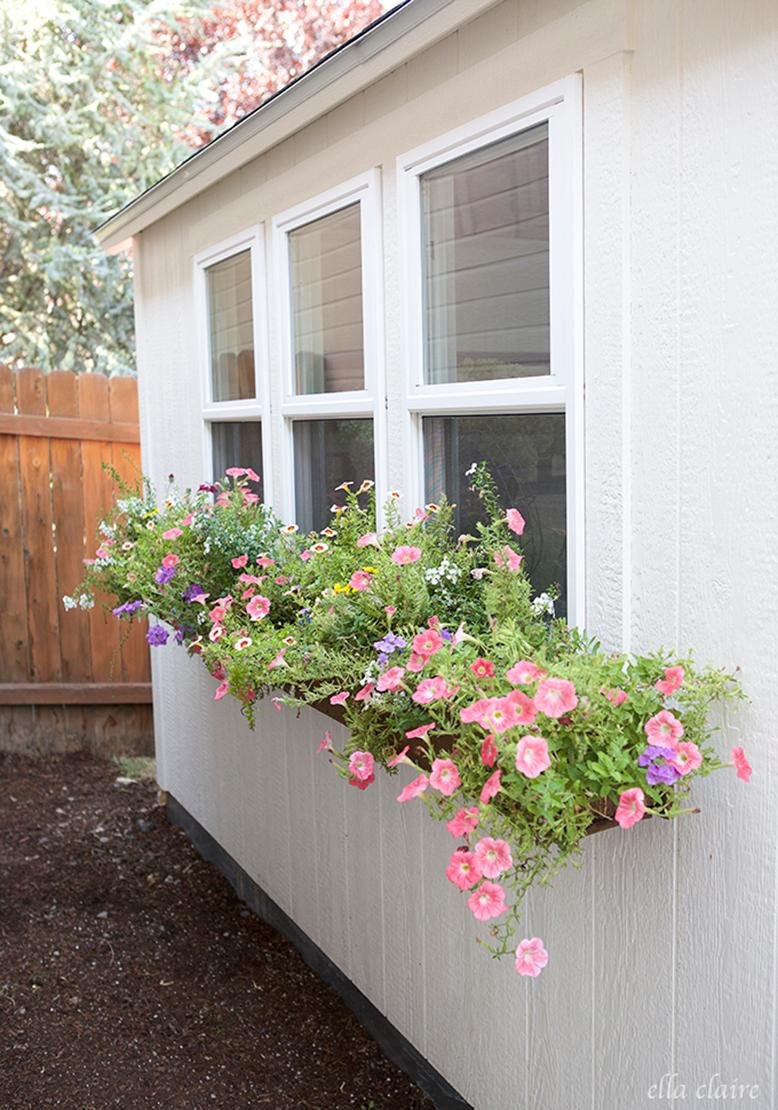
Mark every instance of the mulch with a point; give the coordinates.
(131, 976)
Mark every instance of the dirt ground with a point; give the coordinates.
(131, 976)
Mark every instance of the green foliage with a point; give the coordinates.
(340, 609)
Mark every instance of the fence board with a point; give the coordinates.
(123, 406)
(98, 495)
(37, 519)
(70, 539)
(14, 655)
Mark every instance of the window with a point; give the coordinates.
(230, 300)
(490, 234)
(328, 277)
(526, 456)
(485, 261)
(326, 289)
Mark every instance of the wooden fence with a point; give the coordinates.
(56, 431)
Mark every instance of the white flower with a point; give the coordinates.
(471, 470)
(69, 602)
(543, 604)
(85, 602)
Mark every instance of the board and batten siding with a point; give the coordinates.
(663, 943)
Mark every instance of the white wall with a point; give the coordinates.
(663, 944)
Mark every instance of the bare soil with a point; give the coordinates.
(131, 976)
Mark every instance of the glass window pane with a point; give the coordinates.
(326, 453)
(326, 276)
(526, 455)
(236, 443)
(485, 258)
(231, 328)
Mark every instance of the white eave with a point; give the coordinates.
(382, 47)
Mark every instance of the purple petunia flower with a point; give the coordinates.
(446, 635)
(383, 659)
(658, 769)
(156, 635)
(127, 609)
(391, 642)
(191, 593)
(163, 575)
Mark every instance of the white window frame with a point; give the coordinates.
(370, 402)
(560, 106)
(254, 409)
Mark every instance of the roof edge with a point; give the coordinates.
(378, 49)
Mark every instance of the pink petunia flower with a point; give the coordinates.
(523, 707)
(365, 692)
(279, 661)
(445, 777)
(305, 555)
(464, 821)
(685, 757)
(340, 699)
(359, 580)
(390, 610)
(672, 681)
(188, 519)
(361, 766)
(427, 643)
(555, 697)
(217, 633)
(499, 714)
(463, 870)
(532, 757)
(400, 757)
(403, 555)
(171, 560)
(474, 711)
(391, 679)
(420, 732)
(172, 534)
(491, 787)
(615, 697)
(494, 857)
(741, 764)
(235, 471)
(482, 668)
(369, 539)
(531, 957)
(242, 643)
(413, 789)
(488, 751)
(631, 808)
(417, 663)
(221, 691)
(258, 607)
(508, 559)
(433, 689)
(524, 672)
(326, 743)
(239, 561)
(515, 521)
(664, 729)
(264, 561)
(361, 784)
(488, 901)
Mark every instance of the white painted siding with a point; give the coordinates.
(663, 945)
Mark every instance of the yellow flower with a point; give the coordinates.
(367, 484)
(342, 588)
(319, 548)
(328, 532)
(370, 570)
(345, 486)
